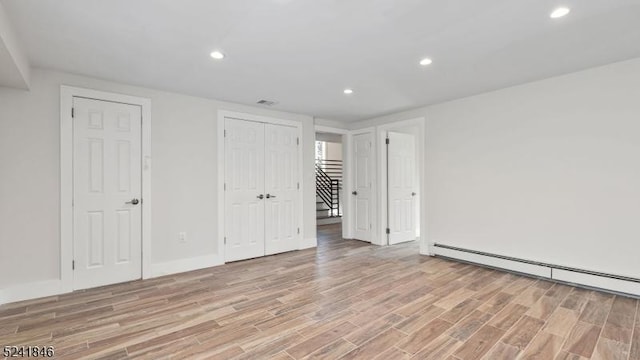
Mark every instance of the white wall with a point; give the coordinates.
(184, 179)
(14, 66)
(334, 151)
(331, 123)
(547, 171)
(328, 137)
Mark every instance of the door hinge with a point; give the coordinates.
(388, 231)
(297, 141)
(298, 230)
(73, 265)
(73, 113)
(225, 240)
(225, 186)
(298, 186)
(386, 141)
(225, 133)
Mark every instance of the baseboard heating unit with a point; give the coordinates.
(593, 279)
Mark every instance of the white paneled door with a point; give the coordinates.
(107, 208)
(244, 189)
(281, 188)
(261, 189)
(401, 167)
(363, 185)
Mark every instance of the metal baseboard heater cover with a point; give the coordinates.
(564, 271)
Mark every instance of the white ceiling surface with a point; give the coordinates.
(303, 53)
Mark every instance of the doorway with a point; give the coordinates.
(262, 192)
(401, 171)
(105, 188)
(332, 182)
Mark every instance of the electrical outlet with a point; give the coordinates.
(182, 237)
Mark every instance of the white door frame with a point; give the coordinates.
(382, 175)
(348, 187)
(67, 93)
(222, 114)
(347, 232)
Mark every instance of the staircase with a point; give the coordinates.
(328, 191)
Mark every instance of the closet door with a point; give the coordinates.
(244, 195)
(281, 188)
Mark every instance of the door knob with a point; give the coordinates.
(413, 194)
(133, 202)
(354, 192)
(260, 196)
(270, 196)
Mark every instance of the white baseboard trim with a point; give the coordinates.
(38, 289)
(308, 243)
(184, 265)
(579, 277)
(31, 290)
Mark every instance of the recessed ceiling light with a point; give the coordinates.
(426, 61)
(348, 91)
(559, 12)
(217, 55)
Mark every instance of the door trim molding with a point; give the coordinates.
(67, 93)
(222, 114)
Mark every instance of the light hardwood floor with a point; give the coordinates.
(345, 300)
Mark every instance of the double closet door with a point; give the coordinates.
(261, 189)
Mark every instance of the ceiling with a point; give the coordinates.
(304, 53)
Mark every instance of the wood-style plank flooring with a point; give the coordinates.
(344, 300)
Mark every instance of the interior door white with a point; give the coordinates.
(244, 189)
(401, 169)
(363, 185)
(107, 210)
(281, 187)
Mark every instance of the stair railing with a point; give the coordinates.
(329, 184)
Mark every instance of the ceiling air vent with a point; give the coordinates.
(266, 102)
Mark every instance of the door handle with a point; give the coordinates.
(133, 202)
(270, 196)
(413, 194)
(260, 196)
(354, 192)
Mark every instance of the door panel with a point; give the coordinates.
(363, 172)
(244, 181)
(401, 167)
(281, 185)
(107, 174)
